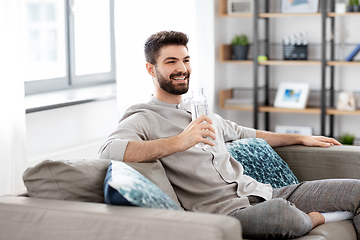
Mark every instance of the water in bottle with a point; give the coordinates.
(199, 107)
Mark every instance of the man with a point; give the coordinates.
(208, 179)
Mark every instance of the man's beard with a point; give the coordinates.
(167, 84)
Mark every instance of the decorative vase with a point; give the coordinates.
(350, 8)
(355, 8)
(240, 52)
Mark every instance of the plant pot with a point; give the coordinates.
(356, 8)
(350, 8)
(240, 52)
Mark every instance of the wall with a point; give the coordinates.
(74, 132)
(234, 75)
(78, 131)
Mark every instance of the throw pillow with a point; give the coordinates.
(261, 162)
(155, 172)
(74, 180)
(124, 185)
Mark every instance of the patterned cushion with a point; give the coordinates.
(124, 185)
(261, 162)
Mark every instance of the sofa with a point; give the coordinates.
(61, 212)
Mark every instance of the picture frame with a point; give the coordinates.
(294, 130)
(299, 6)
(292, 95)
(240, 6)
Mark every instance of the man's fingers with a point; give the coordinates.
(203, 118)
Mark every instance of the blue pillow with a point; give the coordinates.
(261, 162)
(124, 185)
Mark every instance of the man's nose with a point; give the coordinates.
(181, 67)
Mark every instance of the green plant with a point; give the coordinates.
(356, 2)
(352, 2)
(240, 40)
(347, 139)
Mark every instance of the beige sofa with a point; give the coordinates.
(23, 217)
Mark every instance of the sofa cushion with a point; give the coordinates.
(261, 162)
(82, 180)
(75, 180)
(124, 185)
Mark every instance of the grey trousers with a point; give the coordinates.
(285, 215)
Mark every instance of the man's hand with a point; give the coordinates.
(319, 141)
(195, 132)
(146, 151)
(278, 140)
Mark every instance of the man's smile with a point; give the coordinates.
(180, 79)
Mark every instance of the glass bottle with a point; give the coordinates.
(199, 107)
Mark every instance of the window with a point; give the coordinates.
(67, 44)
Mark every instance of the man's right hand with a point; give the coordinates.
(196, 132)
(146, 151)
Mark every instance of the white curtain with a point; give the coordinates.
(12, 113)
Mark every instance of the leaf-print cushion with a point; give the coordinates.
(124, 185)
(261, 162)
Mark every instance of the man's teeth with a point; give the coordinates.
(182, 78)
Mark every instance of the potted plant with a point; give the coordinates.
(347, 139)
(356, 6)
(240, 47)
(351, 6)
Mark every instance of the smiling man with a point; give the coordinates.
(209, 179)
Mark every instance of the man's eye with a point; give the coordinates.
(187, 61)
(171, 62)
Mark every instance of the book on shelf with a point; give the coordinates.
(353, 53)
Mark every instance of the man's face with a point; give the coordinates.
(172, 69)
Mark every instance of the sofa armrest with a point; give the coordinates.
(313, 163)
(23, 218)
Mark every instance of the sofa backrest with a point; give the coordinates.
(82, 180)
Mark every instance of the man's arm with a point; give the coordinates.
(146, 151)
(277, 140)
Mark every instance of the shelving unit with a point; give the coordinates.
(325, 109)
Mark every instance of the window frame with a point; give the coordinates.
(71, 81)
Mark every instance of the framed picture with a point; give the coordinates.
(299, 6)
(240, 6)
(292, 95)
(294, 130)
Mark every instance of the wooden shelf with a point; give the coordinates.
(289, 62)
(227, 94)
(332, 111)
(289, 110)
(279, 15)
(343, 63)
(333, 14)
(225, 56)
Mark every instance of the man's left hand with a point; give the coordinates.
(319, 141)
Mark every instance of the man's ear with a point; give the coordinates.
(150, 69)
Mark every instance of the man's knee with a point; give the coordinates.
(293, 222)
(274, 218)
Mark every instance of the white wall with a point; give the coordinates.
(74, 132)
(233, 75)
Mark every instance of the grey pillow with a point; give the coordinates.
(82, 180)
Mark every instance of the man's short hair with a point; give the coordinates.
(158, 40)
